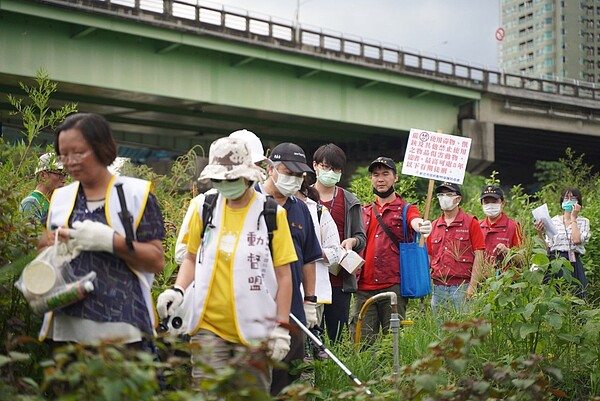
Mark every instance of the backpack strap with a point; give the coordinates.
(210, 201)
(270, 215)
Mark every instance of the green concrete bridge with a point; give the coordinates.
(169, 75)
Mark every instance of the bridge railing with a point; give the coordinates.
(191, 15)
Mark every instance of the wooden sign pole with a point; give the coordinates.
(428, 202)
(427, 207)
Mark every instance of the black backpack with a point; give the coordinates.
(269, 212)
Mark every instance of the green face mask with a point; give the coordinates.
(231, 189)
(329, 178)
(568, 205)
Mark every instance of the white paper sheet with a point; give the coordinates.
(541, 213)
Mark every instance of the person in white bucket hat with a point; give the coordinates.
(241, 291)
(50, 175)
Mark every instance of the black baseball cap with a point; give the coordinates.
(385, 162)
(492, 191)
(452, 187)
(292, 156)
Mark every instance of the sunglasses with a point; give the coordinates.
(219, 181)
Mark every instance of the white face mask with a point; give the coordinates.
(492, 209)
(447, 203)
(288, 185)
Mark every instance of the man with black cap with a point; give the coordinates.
(380, 273)
(500, 233)
(285, 176)
(455, 252)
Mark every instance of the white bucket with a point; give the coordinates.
(38, 277)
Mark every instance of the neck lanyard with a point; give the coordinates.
(332, 199)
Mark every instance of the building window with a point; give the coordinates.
(548, 7)
(548, 62)
(548, 35)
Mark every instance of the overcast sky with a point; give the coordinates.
(463, 30)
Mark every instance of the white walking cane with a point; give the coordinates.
(322, 347)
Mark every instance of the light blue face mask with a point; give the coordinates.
(568, 205)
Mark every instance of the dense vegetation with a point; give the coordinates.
(522, 340)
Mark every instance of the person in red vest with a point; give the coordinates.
(455, 249)
(500, 232)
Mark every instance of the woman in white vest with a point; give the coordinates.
(329, 240)
(86, 213)
(242, 292)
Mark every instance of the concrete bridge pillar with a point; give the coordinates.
(482, 145)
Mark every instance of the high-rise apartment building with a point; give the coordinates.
(551, 38)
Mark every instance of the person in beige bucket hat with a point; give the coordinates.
(230, 159)
(242, 291)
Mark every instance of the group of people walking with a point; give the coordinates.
(264, 243)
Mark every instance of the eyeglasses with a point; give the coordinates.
(62, 174)
(229, 180)
(568, 198)
(450, 194)
(327, 167)
(76, 157)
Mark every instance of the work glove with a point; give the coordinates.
(310, 311)
(279, 343)
(90, 235)
(167, 302)
(425, 228)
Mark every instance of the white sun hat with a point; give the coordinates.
(254, 144)
(48, 162)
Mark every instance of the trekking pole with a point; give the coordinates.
(322, 347)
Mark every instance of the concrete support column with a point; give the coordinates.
(482, 144)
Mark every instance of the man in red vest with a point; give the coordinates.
(500, 233)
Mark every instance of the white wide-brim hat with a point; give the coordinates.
(229, 159)
(254, 144)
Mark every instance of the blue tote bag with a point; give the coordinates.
(415, 278)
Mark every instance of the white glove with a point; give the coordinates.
(90, 235)
(425, 228)
(167, 302)
(310, 311)
(279, 343)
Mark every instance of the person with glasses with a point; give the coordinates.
(573, 233)
(329, 162)
(241, 293)
(50, 175)
(455, 249)
(384, 228)
(87, 215)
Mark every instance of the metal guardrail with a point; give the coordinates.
(190, 15)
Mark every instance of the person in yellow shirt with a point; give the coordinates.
(242, 292)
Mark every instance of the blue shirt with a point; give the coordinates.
(117, 296)
(307, 248)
